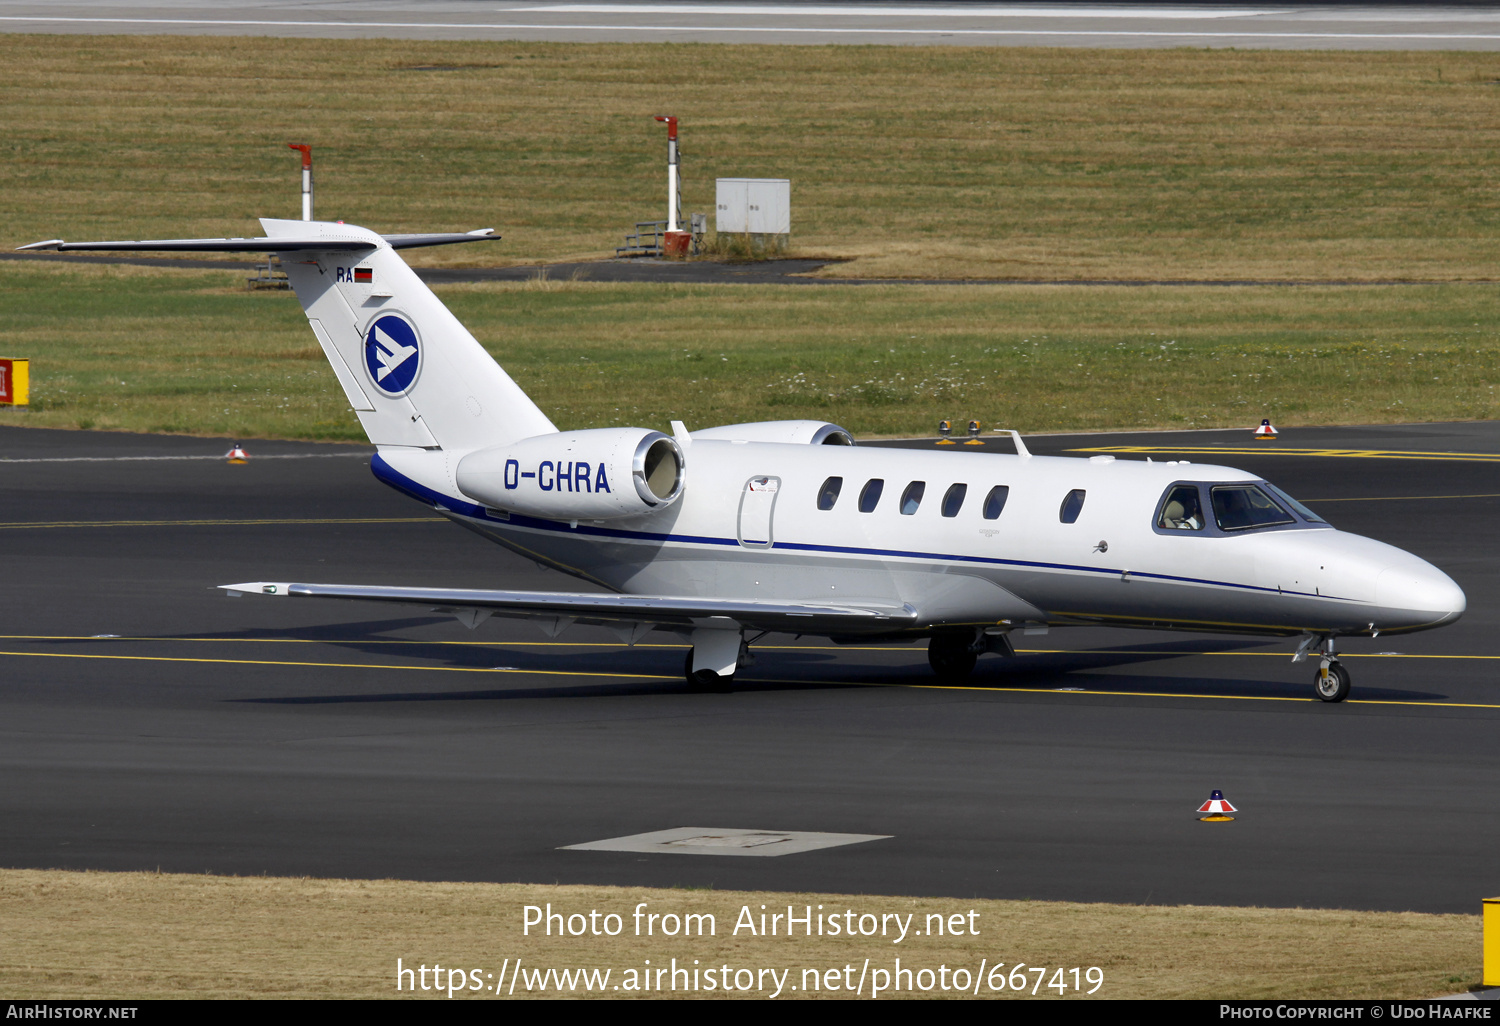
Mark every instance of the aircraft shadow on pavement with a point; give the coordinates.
(1043, 671)
(1168, 687)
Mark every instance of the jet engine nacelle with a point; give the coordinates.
(792, 432)
(577, 475)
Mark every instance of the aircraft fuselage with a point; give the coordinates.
(748, 523)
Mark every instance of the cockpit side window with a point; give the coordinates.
(1072, 506)
(1182, 510)
(1243, 506)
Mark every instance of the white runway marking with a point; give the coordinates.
(754, 10)
(725, 841)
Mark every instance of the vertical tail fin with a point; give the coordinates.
(412, 373)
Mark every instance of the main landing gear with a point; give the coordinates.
(952, 656)
(715, 656)
(706, 681)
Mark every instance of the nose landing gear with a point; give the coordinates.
(1332, 683)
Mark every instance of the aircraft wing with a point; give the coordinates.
(613, 610)
(284, 244)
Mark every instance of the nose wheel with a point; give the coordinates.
(1332, 682)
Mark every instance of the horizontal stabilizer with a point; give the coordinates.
(287, 244)
(440, 238)
(666, 611)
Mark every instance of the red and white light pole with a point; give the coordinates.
(306, 178)
(674, 184)
(676, 242)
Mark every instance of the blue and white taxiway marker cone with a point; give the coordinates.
(1265, 433)
(236, 455)
(1217, 809)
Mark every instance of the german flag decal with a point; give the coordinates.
(364, 275)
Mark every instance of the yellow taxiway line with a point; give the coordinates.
(1404, 498)
(1169, 694)
(1272, 447)
(35, 524)
(337, 666)
(673, 677)
(682, 645)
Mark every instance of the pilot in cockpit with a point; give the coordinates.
(1181, 511)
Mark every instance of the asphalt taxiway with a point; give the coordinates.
(147, 721)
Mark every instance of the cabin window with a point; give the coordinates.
(953, 499)
(912, 497)
(869, 495)
(994, 502)
(1072, 506)
(829, 493)
(1239, 507)
(1182, 511)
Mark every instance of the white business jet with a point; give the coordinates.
(787, 526)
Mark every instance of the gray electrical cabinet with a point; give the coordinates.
(754, 206)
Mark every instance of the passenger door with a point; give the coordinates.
(757, 508)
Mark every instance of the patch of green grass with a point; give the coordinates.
(925, 161)
(193, 352)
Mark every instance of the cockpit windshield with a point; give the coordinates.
(1239, 507)
(1296, 507)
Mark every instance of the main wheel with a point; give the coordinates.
(1332, 683)
(950, 657)
(705, 680)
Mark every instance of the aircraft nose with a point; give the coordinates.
(1421, 588)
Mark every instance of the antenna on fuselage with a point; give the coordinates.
(1021, 449)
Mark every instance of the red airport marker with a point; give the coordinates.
(1217, 808)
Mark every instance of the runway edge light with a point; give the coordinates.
(236, 455)
(1492, 942)
(1265, 433)
(1216, 807)
(15, 382)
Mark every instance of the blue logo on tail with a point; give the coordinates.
(392, 355)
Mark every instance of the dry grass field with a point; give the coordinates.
(143, 935)
(917, 161)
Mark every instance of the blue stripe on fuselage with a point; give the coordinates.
(387, 474)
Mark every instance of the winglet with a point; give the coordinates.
(49, 244)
